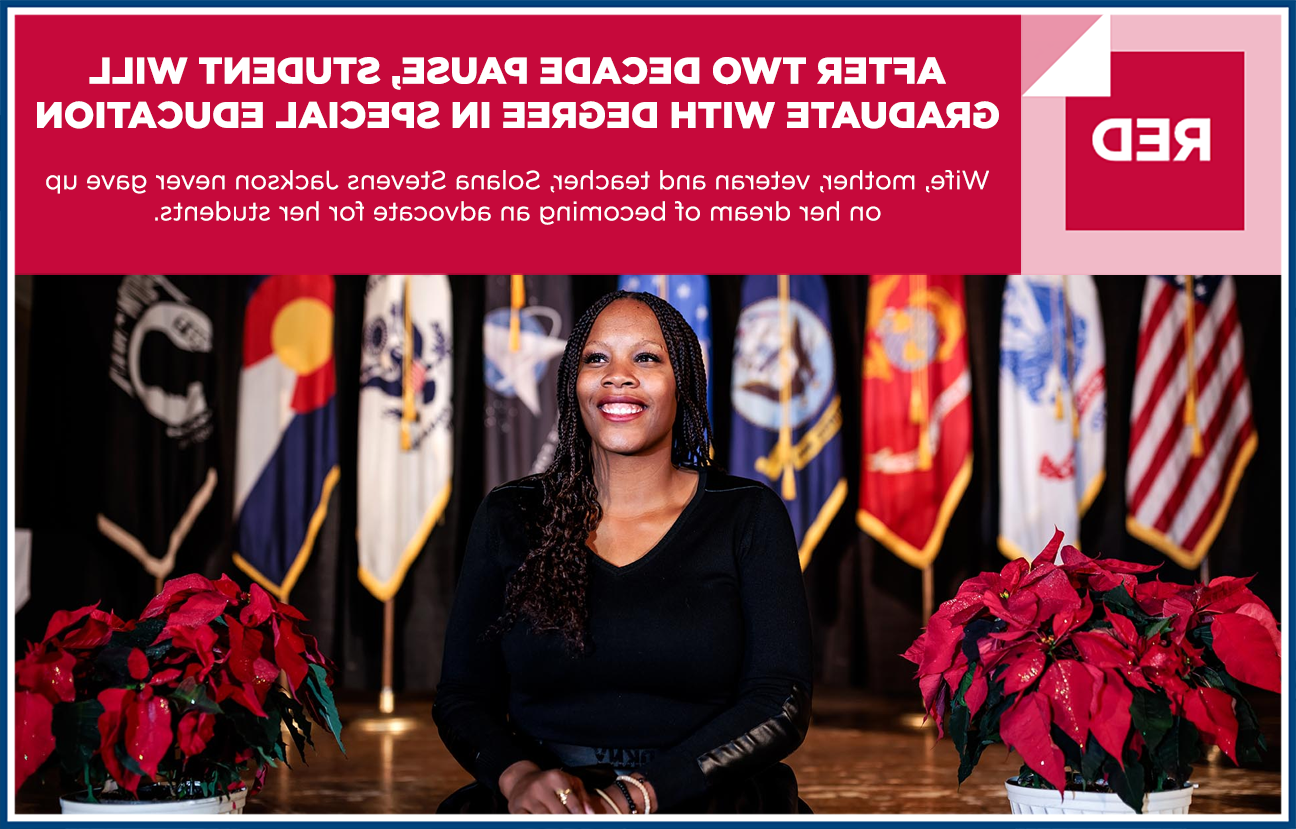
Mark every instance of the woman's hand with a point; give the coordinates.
(535, 791)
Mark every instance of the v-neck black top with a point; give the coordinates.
(700, 647)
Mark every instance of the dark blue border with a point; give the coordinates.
(362, 7)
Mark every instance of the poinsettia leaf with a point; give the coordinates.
(144, 634)
(1092, 763)
(1150, 714)
(34, 739)
(1211, 710)
(1249, 739)
(1023, 671)
(113, 665)
(76, 734)
(1127, 782)
(1157, 626)
(317, 681)
(1247, 651)
(958, 721)
(976, 630)
(1110, 723)
(1025, 728)
(190, 694)
(1189, 750)
(1069, 689)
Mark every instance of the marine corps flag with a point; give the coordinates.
(524, 333)
(917, 413)
(786, 410)
(406, 447)
(1052, 409)
(160, 414)
(691, 296)
(287, 463)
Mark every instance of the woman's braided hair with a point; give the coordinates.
(548, 588)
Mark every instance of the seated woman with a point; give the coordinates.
(630, 630)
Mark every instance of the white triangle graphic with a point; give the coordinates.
(1083, 71)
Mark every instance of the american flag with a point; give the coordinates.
(1191, 434)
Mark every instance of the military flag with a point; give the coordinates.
(1191, 435)
(917, 415)
(786, 411)
(161, 415)
(691, 296)
(1052, 409)
(287, 462)
(524, 333)
(406, 443)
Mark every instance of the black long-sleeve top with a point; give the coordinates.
(701, 648)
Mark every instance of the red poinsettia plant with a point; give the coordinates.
(181, 702)
(1099, 682)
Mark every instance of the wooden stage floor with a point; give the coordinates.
(864, 755)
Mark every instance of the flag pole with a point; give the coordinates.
(386, 699)
(928, 590)
(1204, 573)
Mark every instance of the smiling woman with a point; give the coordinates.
(630, 631)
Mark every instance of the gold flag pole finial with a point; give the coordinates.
(408, 413)
(1190, 400)
(1069, 351)
(663, 286)
(785, 388)
(515, 312)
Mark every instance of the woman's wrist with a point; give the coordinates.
(513, 774)
(643, 796)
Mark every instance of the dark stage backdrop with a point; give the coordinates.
(865, 601)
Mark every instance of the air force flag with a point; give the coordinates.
(287, 464)
(691, 296)
(1052, 409)
(406, 446)
(786, 411)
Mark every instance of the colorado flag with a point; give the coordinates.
(287, 461)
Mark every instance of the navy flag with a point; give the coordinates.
(786, 410)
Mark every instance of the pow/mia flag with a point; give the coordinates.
(523, 337)
(161, 418)
(786, 410)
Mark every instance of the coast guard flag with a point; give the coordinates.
(287, 463)
(1052, 409)
(161, 416)
(406, 446)
(691, 296)
(524, 333)
(786, 411)
(1191, 434)
(917, 413)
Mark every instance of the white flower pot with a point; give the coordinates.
(224, 805)
(1026, 801)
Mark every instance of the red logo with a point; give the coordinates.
(1165, 151)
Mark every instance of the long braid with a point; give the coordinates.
(548, 589)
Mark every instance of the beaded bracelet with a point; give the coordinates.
(639, 783)
(609, 801)
(626, 793)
